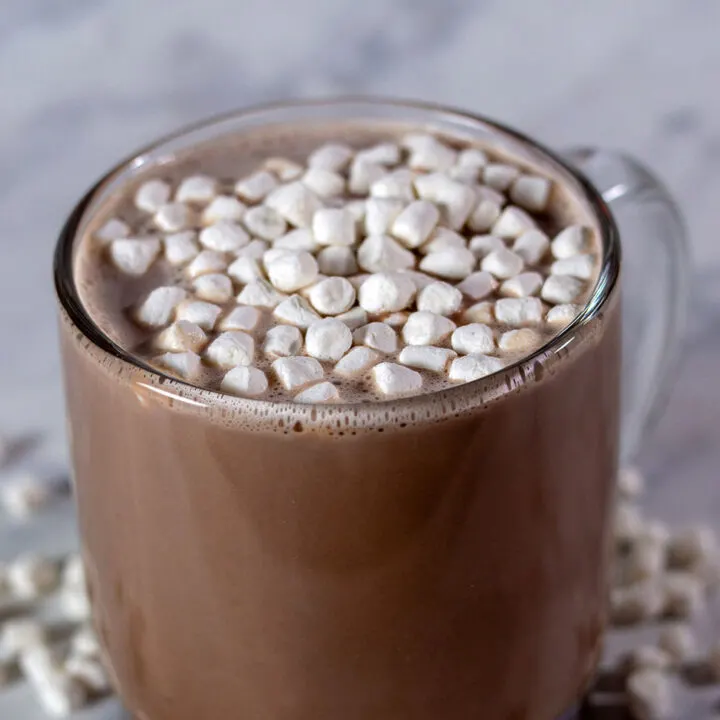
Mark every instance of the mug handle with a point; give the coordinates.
(654, 277)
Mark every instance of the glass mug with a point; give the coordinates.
(438, 556)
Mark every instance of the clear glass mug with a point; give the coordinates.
(385, 567)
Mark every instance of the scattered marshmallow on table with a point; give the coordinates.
(152, 195)
(33, 576)
(678, 641)
(357, 361)
(323, 392)
(639, 602)
(282, 341)
(377, 335)
(649, 695)
(26, 494)
(134, 256)
(474, 367)
(185, 364)
(296, 310)
(230, 349)
(298, 371)
(426, 328)
(475, 338)
(426, 357)
(691, 547)
(246, 381)
(393, 379)
(88, 671)
(328, 339)
(332, 296)
(683, 594)
(386, 293)
(440, 298)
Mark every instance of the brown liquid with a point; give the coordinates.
(437, 557)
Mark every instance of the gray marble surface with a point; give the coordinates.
(82, 82)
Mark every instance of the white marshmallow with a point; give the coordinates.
(573, 240)
(245, 382)
(386, 153)
(456, 200)
(292, 270)
(245, 270)
(331, 156)
(257, 186)
(396, 319)
(518, 311)
(181, 247)
(452, 263)
(19, 634)
(475, 338)
(223, 208)
(337, 260)
(428, 152)
(523, 285)
(439, 298)
(357, 361)
(282, 341)
(73, 575)
(357, 209)
(357, 280)
(299, 240)
(59, 694)
(264, 222)
(383, 293)
(393, 379)
(500, 176)
(513, 222)
(362, 175)
(206, 262)
(33, 576)
(627, 524)
(295, 310)
(522, 340)
(503, 263)
(631, 483)
(328, 339)
(377, 335)
(113, 229)
(332, 296)
(324, 392)
(230, 349)
(324, 183)
(645, 558)
(134, 256)
(334, 226)
(158, 307)
(426, 328)
(464, 174)
(683, 594)
(692, 547)
(484, 215)
(415, 223)
(478, 285)
(295, 202)
(580, 266)
(678, 641)
(354, 318)
(90, 673)
(380, 253)
(242, 317)
(442, 239)
(473, 367)
(185, 364)
(531, 246)
(215, 287)
(152, 195)
(471, 157)
(647, 657)
(284, 168)
(173, 217)
(254, 249)
(395, 184)
(482, 312)
(563, 314)
(181, 336)
(260, 293)
(483, 245)
(649, 695)
(296, 372)
(380, 213)
(426, 357)
(25, 495)
(420, 280)
(561, 289)
(531, 192)
(224, 236)
(196, 189)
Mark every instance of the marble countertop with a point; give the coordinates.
(84, 82)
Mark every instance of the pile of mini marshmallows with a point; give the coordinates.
(373, 267)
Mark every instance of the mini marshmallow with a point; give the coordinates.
(230, 349)
(185, 364)
(683, 594)
(426, 328)
(692, 547)
(456, 200)
(380, 253)
(472, 157)
(518, 311)
(357, 209)
(331, 156)
(260, 293)
(296, 311)
(649, 695)
(357, 280)
(362, 176)
(296, 372)
(396, 319)
(334, 226)
(292, 270)
(328, 339)
(580, 266)
(73, 575)
(85, 643)
(384, 293)
(181, 336)
(503, 263)
(522, 340)
(482, 312)
(513, 222)
(452, 263)
(420, 280)
(531, 192)
(257, 186)
(571, 241)
(134, 256)
(245, 270)
(473, 367)
(443, 239)
(255, 249)
(678, 641)
(636, 603)
(26, 494)
(415, 223)
(264, 222)
(484, 215)
(324, 392)
(89, 672)
(478, 285)
(393, 379)
(426, 357)
(242, 317)
(628, 523)
(428, 153)
(61, 695)
(523, 285)
(282, 341)
(561, 289)
(20, 634)
(159, 306)
(224, 236)
(357, 361)
(645, 559)
(196, 189)
(152, 195)
(33, 576)
(173, 217)
(181, 247)
(299, 240)
(113, 229)
(284, 168)
(223, 208)
(386, 153)
(332, 296)
(531, 246)
(439, 298)
(395, 184)
(500, 176)
(483, 245)
(474, 338)
(295, 202)
(647, 657)
(205, 263)
(377, 335)
(380, 213)
(245, 382)
(214, 288)
(337, 260)
(464, 174)
(562, 315)
(631, 483)
(324, 183)
(354, 318)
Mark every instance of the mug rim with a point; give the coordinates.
(69, 297)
